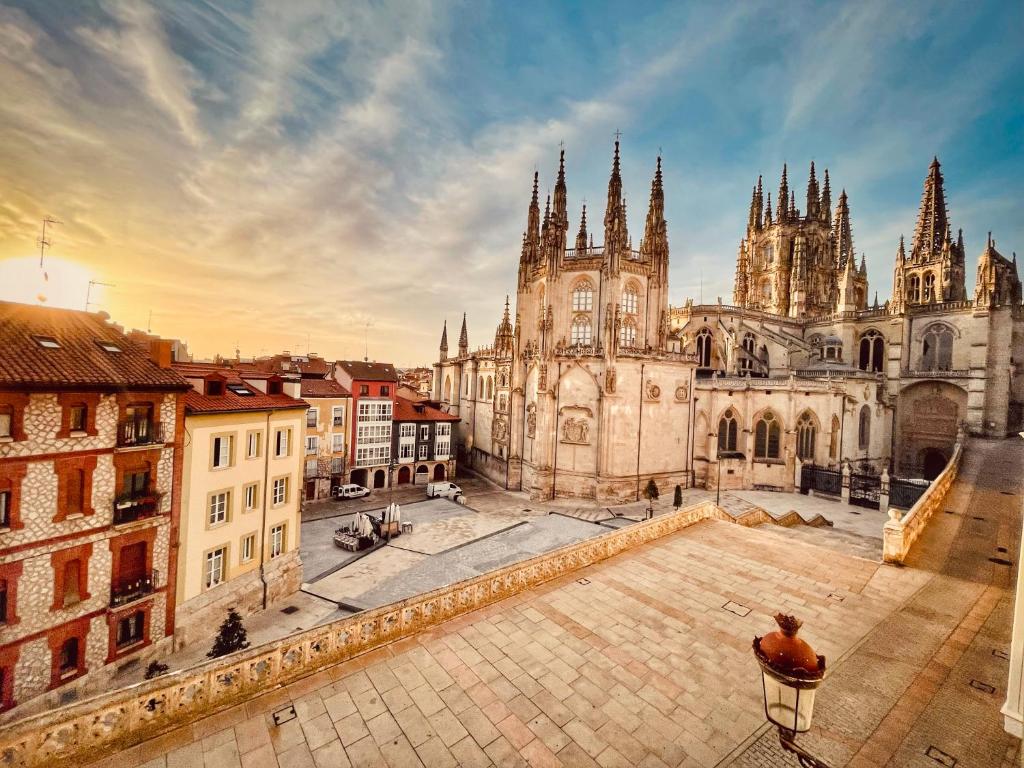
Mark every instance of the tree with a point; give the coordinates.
(231, 636)
(651, 491)
(677, 501)
(155, 669)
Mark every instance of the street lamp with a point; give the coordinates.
(790, 672)
(718, 485)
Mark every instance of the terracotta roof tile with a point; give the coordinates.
(231, 401)
(364, 371)
(78, 360)
(323, 388)
(407, 410)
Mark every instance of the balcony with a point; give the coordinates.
(136, 505)
(124, 591)
(133, 433)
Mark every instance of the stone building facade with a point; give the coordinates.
(242, 486)
(421, 442)
(598, 385)
(326, 437)
(90, 449)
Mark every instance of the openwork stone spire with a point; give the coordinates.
(655, 242)
(463, 338)
(444, 341)
(581, 236)
(932, 221)
(843, 232)
(783, 200)
(813, 195)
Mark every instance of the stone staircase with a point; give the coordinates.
(828, 538)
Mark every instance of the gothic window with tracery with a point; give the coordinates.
(630, 301)
(864, 431)
(490, 387)
(914, 288)
(767, 437)
(627, 334)
(581, 332)
(704, 339)
(872, 351)
(806, 433)
(582, 297)
(833, 438)
(727, 432)
(929, 286)
(937, 348)
(749, 345)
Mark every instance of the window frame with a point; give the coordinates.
(226, 511)
(768, 437)
(218, 555)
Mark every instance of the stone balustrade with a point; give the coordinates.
(902, 530)
(113, 721)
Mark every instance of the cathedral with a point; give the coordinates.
(595, 385)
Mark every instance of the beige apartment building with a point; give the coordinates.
(240, 519)
(326, 443)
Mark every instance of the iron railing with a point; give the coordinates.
(135, 505)
(905, 493)
(134, 432)
(125, 591)
(821, 479)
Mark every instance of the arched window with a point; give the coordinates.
(727, 432)
(872, 350)
(833, 439)
(749, 345)
(769, 253)
(480, 390)
(913, 288)
(764, 355)
(806, 432)
(937, 348)
(929, 286)
(490, 387)
(767, 437)
(582, 297)
(864, 430)
(448, 388)
(581, 330)
(627, 333)
(630, 301)
(467, 379)
(704, 348)
(766, 290)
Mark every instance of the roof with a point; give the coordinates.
(311, 366)
(367, 371)
(407, 410)
(323, 388)
(77, 360)
(231, 401)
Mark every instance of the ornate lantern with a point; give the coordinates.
(790, 673)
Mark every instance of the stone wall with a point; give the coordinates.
(118, 719)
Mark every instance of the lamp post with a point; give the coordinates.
(718, 485)
(790, 673)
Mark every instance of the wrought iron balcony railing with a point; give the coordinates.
(134, 432)
(135, 505)
(124, 591)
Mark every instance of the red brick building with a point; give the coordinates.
(90, 468)
(373, 388)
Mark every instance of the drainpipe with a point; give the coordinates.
(688, 455)
(263, 523)
(554, 464)
(639, 430)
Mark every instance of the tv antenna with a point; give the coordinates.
(88, 293)
(43, 242)
(366, 341)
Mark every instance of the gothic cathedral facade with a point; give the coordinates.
(596, 385)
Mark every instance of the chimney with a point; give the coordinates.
(160, 352)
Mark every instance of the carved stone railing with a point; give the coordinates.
(902, 530)
(955, 373)
(102, 725)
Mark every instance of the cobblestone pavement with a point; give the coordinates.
(913, 693)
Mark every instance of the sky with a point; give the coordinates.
(342, 177)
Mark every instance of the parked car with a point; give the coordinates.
(444, 489)
(350, 491)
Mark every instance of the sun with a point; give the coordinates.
(58, 283)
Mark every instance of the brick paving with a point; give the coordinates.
(636, 661)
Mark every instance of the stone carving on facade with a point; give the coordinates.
(531, 420)
(499, 429)
(653, 390)
(609, 380)
(542, 378)
(576, 430)
(682, 393)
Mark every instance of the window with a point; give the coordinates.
(581, 333)
(338, 415)
(338, 443)
(423, 450)
(405, 451)
(76, 492)
(937, 348)
(914, 288)
(6, 421)
(77, 418)
(872, 350)
(443, 448)
(276, 540)
(312, 417)
(629, 301)
(704, 348)
(311, 445)
(281, 442)
(280, 490)
(215, 566)
(627, 334)
(219, 507)
(248, 548)
(241, 390)
(222, 451)
(490, 387)
(47, 342)
(407, 430)
(424, 431)
(769, 253)
(444, 429)
(833, 438)
(806, 431)
(364, 389)
(5, 509)
(929, 286)
(385, 391)
(130, 629)
(136, 483)
(727, 427)
(767, 436)
(337, 466)
(108, 346)
(72, 576)
(253, 447)
(252, 495)
(864, 429)
(3, 602)
(582, 298)
(69, 652)
(749, 345)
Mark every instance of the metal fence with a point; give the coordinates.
(864, 490)
(905, 493)
(820, 479)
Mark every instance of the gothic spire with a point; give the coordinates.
(655, 240)
(547, 220)
(559, 213)
(863, 265)
(768, 211)
(755, 209)
(843, 233)
(792, 204)
(932, 223)
(783, 199)
(463, 338)
(531, 237)
(444, 341)
(581, 236)
(901, 253)
(812, 195)
(503, 337)
(825, 209)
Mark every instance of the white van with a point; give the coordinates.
(350, 491)
(444, 488)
